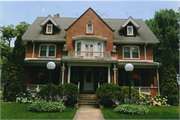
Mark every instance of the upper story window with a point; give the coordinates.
(49, 28)
(89, 28)
(131, 52)
(47, 50)
(130, 30)
(78, 48)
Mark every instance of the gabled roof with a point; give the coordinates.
(49, 18)
(133, 21)
(97, 16)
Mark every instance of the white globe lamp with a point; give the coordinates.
(129, 67)
(51, 65)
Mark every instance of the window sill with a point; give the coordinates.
(89, 33)
(46, 57)
(131, 58)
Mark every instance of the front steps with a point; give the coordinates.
(88, 100)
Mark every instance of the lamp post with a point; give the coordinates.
(129, 67)
(50, 66)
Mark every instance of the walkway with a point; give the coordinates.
(88, 113)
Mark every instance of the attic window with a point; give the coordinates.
(89, 28)
(49, 29)
(130, 30)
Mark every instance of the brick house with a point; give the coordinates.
(89, 51)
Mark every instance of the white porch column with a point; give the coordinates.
(63, 69)
(115, 69)
(158, 80)
(69, 73)
(109, 77)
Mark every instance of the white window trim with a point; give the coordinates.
(130, 46)
(87, 28)
(130, 26)
(47, 28)
(47, 50)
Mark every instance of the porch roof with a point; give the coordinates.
(145, 64)
(41, 61)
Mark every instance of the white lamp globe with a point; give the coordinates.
(51, 65)
(129, 67)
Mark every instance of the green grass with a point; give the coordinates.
(20, 111)
(155, 112)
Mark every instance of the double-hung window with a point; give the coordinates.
(49, 28)
(47, 50)
(129, 30)
(79, 48)
(131, 52)
(89, 28)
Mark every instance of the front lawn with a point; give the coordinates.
(20, 111)
(155, 112)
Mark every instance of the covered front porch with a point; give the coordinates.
(144, 77)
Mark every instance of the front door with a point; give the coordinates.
(88, 79)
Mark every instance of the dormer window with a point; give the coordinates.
(129, 30)
(49, 29)
(89, 28)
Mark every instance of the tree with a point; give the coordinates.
(13, 84)
(22, 27)
(169, 86)
(8, 33)
(165, 27)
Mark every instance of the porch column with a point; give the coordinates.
(63, 69)
(115, 69)
(69, 73)
(158, 80)
(109, 76)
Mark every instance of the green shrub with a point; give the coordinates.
(131, 109)
(1, 92)
(26, 97)
(47, 107)
(69, 90)
(54, 91)
(125, 95)
(107, 92)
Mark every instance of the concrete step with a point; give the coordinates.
(88, 103)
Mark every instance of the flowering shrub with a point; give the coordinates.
(41, 75)
(78, 100)
(26, 97)
(131, 109)
(158, 100)
(47, 107)
(136, 77)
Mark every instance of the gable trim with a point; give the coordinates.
(49, 17)
(130, 19)
(96, 14)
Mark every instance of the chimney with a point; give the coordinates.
(56, 16)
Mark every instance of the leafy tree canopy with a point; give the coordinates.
(165, 27)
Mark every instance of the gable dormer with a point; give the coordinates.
(129, 27)
(49, 26)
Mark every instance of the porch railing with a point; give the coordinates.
(33, 87)
(143, 89)
(89, 55)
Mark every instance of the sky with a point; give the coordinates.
(14, 12)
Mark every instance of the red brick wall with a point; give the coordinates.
(99, 29)
(154, 91)
(149, 52)
(29, 49)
